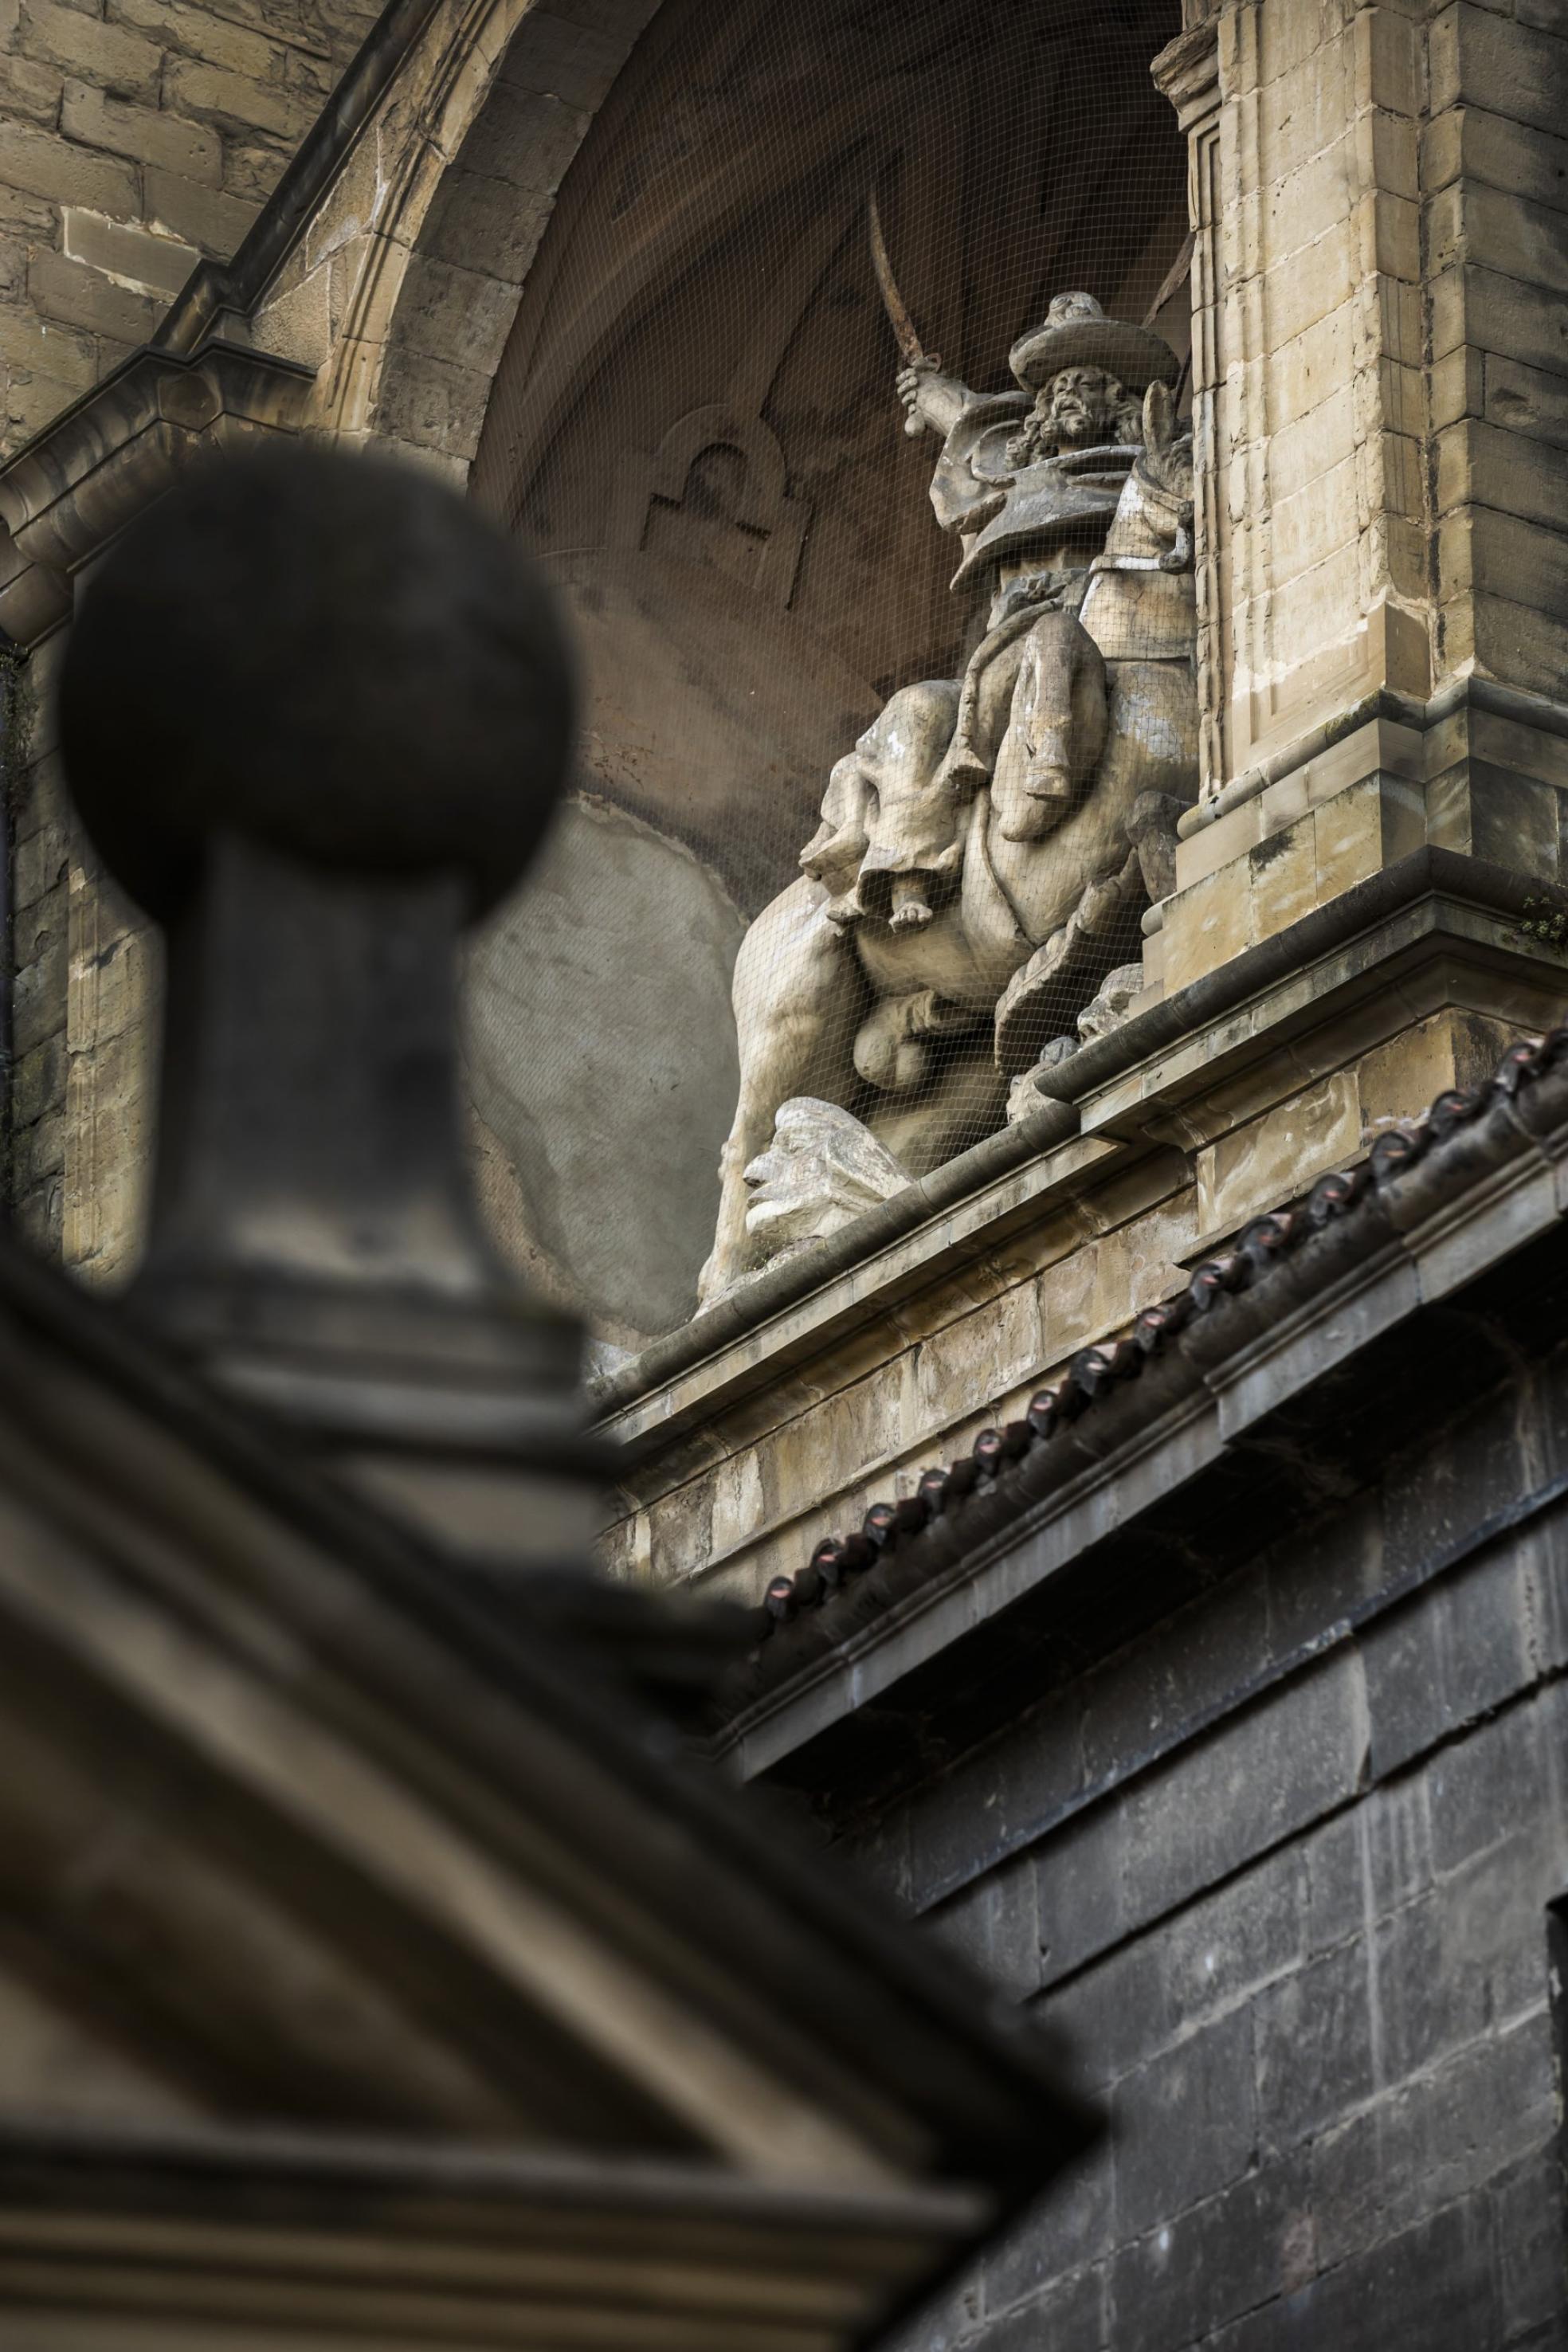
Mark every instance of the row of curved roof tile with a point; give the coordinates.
(839, 1558)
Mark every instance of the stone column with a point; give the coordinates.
(1381, 403)
(315, 717)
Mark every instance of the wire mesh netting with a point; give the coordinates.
(882, 580)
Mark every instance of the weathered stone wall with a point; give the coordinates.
(1381, 406)
(1289, 1889)
(416, 193)
(86, 969)
(137, 136)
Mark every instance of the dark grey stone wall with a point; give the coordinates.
(1282, 1873)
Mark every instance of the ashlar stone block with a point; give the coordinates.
(45, 166)
(1468, 142)
(160, 265)
(1478, 58)
(1272, 1158)
(83, 297)
(1469, 221)
(1206, 925)
(1310, 367)
(98, 119)
(1370, 825)
(1398, 1080)
(201, 214)
(92, 50)
(1282, 877)
(1317, 521)
(1310, 285)
(1495, 312)
(1311, 447)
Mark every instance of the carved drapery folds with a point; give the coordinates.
(969, 907)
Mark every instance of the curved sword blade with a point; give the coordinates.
(903, 326)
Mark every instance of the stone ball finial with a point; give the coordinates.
(333, 657)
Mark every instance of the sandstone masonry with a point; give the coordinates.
(135, 137)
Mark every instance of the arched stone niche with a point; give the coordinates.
(693, 422)
(609, 259)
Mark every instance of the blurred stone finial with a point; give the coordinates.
(317, 715)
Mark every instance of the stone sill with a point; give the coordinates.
(1384, 704)
(1116, 1100)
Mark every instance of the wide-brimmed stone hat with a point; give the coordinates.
(1077, 333)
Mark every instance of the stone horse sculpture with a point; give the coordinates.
(987, 841)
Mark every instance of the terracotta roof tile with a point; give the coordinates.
(1094, 1372)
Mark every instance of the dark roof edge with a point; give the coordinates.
(413, 1637)
(218, 2167)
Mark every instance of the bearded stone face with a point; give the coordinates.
(1081, 408)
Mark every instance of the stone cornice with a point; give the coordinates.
(65, 495)
(1110, 1092)
(67, 492)
(1473, 692)
(1186, 71)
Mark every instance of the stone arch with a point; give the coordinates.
(718, 481)
(474, 244)
(402, 289)
(397, 287)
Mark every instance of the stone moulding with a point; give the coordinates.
(1437, 1204)
(412, 94)
(238, 285)
(111, 453)
(639, 1404)
(66, 493)
(1490, 695)
(156, 2214)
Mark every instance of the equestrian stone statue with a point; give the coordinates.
(988, 847)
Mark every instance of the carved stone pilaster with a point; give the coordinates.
(1188, 72)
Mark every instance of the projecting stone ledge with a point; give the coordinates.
(1196, 1416)
(780, 1417)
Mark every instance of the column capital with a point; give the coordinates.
(1186, 71)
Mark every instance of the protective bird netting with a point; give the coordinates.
(846, 403)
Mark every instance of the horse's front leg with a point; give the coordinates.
(725, 1261)
(1057, 728)
(799, 994)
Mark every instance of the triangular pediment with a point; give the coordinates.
(299, 1840)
